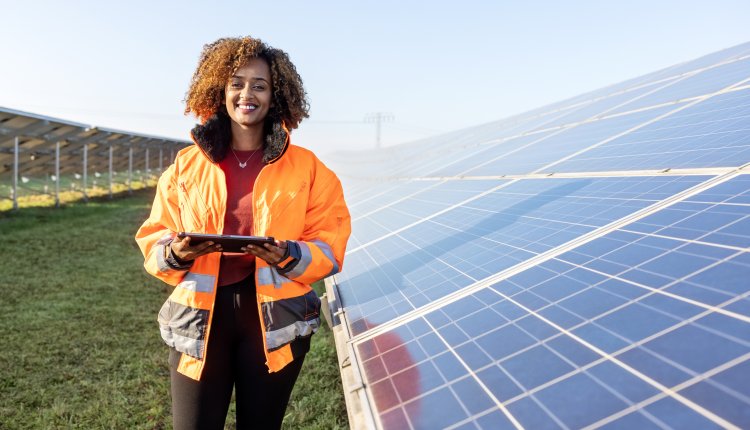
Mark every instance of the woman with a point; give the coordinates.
(242, 320)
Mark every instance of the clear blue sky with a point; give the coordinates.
(435, 65)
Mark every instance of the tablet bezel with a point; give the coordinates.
(229, 242)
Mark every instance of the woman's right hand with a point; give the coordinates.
(184, 252)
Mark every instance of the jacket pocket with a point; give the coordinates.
(183, 328)
(288, 319)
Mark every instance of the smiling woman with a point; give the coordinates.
(219, 71)
(248, 96)
(242, 320)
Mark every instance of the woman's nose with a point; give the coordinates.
(245, 93)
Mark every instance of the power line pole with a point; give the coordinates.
(378, 118)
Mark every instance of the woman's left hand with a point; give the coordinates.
(272, 254)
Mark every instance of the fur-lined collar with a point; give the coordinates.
(214, 137)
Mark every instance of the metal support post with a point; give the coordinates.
(111, 149)
(130, 169)
(16, 144)
(57, 174)
(146, 170)
(85, 171)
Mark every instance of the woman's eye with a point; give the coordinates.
(235, 85)
(259, 87)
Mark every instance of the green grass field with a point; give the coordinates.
(81, 346)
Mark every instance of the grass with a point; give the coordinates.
(81, 347)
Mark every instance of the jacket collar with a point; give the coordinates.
(213, 137)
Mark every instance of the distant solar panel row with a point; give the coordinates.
(583, 265)
(39, 154)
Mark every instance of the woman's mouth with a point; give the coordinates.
(246, 108)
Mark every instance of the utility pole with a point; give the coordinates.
(378, 118)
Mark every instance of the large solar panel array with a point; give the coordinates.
(41, 155)
(583, 265)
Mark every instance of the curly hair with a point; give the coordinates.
(221, 59)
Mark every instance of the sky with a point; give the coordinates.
(432, 66)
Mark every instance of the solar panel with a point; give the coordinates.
(428, 259)
(609, 104)
(582, 266)
(561, 143)
(699, 84)
(41, 155)
(709, 134)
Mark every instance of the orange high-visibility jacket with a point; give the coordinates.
(295, 197)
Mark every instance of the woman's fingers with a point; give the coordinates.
(206, 248)
(181, 248)
(272, 254)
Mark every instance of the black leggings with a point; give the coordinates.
(235, 358)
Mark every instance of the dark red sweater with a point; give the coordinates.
(239, 212)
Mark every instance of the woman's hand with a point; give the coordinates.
(272, 254)
(183, 251)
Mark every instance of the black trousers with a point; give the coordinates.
(235, 359)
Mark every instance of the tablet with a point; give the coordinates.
(229, 243)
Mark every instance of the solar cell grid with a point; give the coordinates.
(677, 70)
(736, 191)
(411, 203)
(704, 82)
(530, 365)
(422, 156)
(363, 231)
(563, 143)
(604, 106)
(364, 199)
(441, 255)
(712, 133)
(480, 156)
(568, 343)
(471, 141)
(565, 107)
(712, 59)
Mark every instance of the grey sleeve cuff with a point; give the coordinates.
(172, 261)
(292, 250)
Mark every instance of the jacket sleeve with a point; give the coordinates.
(158, 231)
(320, 251)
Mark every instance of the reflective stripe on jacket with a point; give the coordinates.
(295, 197)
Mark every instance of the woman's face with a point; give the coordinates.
(248, 94)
